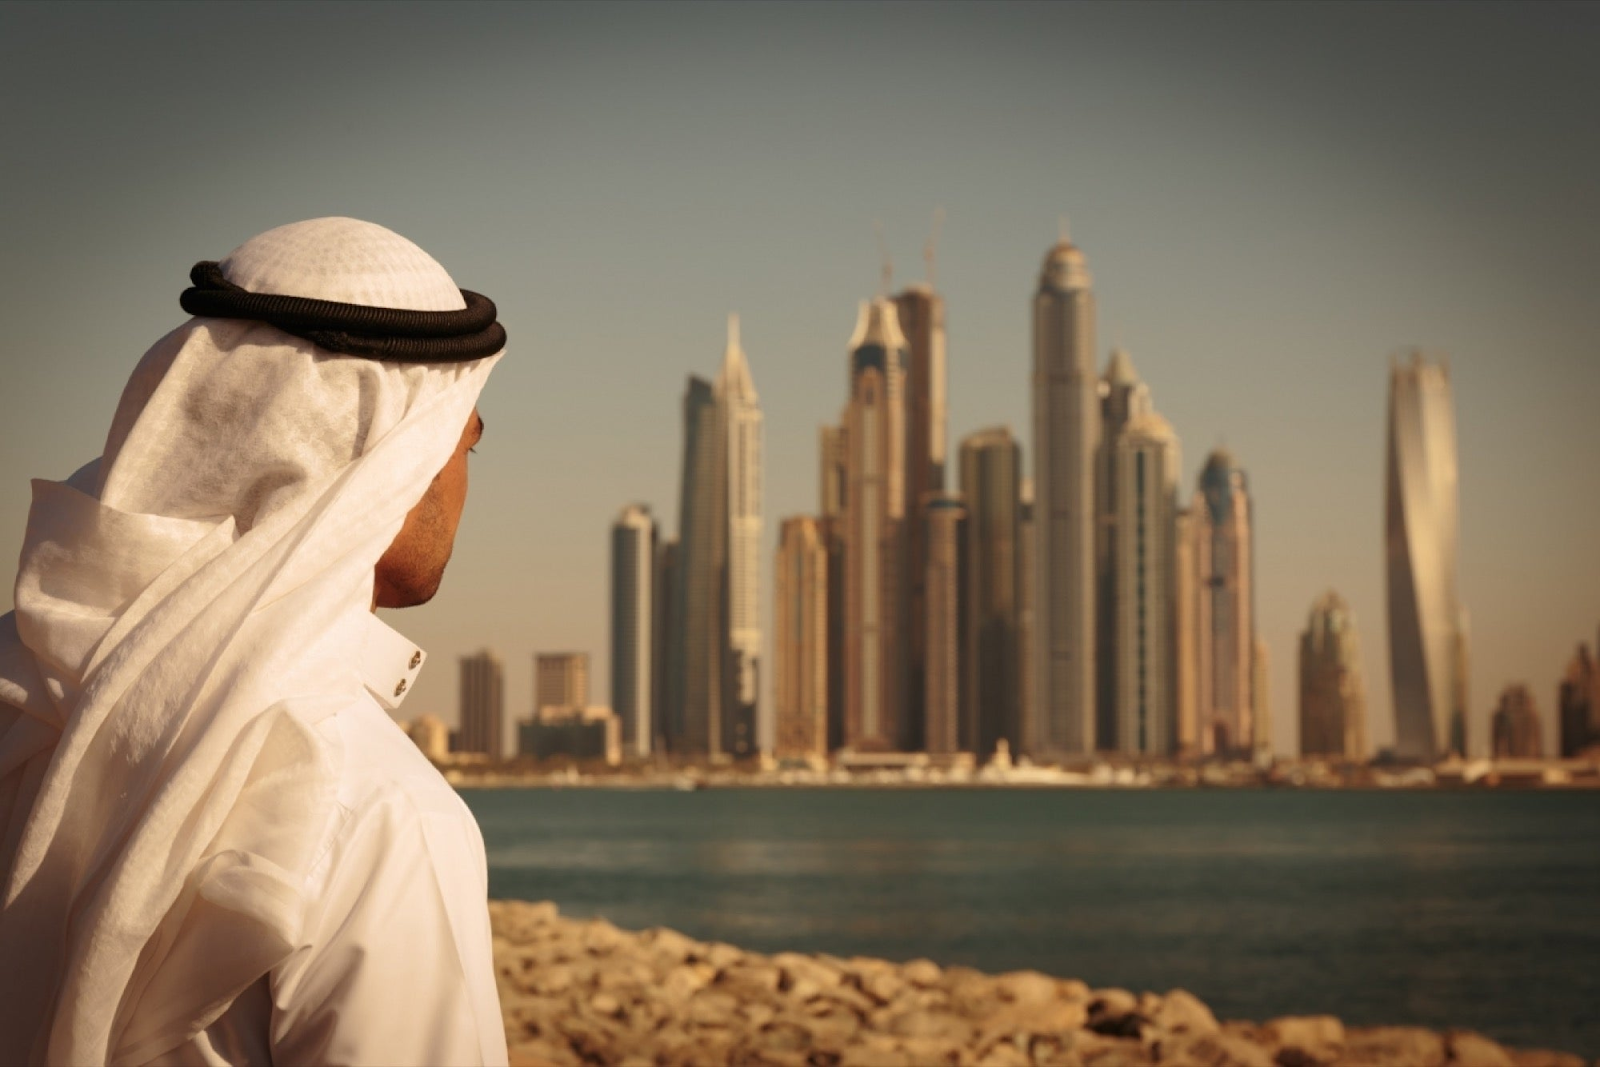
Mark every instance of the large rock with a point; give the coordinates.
(1392, 1046)
(1212, 1049)
(1471, 1049)
(1182, 1012)
(1309, 1032)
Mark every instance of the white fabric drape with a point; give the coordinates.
(182, 607)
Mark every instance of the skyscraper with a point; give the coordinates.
(1186, 646)
(948, 726)
(695, 673)
(875, 652)
(991, 488)
(1123, 397)
(921, 313)
(800, 641)
(1333, 697)
(667, 644)
(1028, 595)
(1578, 699)
(1143, 480)
(483, 705)
(1066, 433)
(560, 680)
(740, 431)
(633, 580)
(834, 483)
(1224, 561)
(1427, 624)
(1515, 731)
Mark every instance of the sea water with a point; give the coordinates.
(1444, 909)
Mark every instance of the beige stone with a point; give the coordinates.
(921, 973)
(686, 980)
(834, 1030)
(1004, 1054)
(1543, 1057)
(1214, 1049)
(711, 1008)
(750, 978)
(600, 937)
(932, 1026)
(547, 981)
(1470, 1049)
(1026, 987)
(1385, 1045)
(538, 1053)
(1309, 1032)
(1112, 1002)
(669, 945)
(1182, 1012)
(720, 955)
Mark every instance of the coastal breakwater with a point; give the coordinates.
(585, 992)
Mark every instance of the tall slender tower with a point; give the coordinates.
(922, 324)
(875, 537)
(834, 481)
(1427, 624)
(949, 728)
(666, 645)
(1333, 695)
(696, 674)
(483, 705)
(633, 566)
(1144, 484)
(739, 417)
(1224, 563)
(800, 646)
(1186, 665)
(991, 486)
(1123, 397)
(1066, 433)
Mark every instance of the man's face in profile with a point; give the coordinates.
(413, 566)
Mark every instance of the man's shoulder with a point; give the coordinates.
(384, 773)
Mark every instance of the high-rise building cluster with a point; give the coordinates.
(686, 631)
(1085, 606)
(1084, 610)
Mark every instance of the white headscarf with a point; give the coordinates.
(182, 606)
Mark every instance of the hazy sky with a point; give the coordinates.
(1272, 199)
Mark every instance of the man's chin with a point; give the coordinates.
(406, 594)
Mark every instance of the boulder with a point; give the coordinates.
(1112, 1002)
(1381, 1046)
(923, 973)
(1541, 1057)
(1471, 1049)
(1182, 1012)
(1026, 987)
(1309, 1032)
(1213, 1049)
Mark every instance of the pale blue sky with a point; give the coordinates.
(1272, 199)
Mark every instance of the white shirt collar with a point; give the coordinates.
(389, 662)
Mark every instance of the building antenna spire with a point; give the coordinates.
(1061, 227)
(930, 250)
(886, 276)
(733, 329)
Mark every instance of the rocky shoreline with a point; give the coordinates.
(585, 992)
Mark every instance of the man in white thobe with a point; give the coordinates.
(215, 844)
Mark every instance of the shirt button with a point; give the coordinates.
(416, 658)
(401, 688)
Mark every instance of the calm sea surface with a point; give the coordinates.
(1442, 909)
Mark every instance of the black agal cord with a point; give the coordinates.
(397, 335)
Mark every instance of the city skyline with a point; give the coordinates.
(1264, 233)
